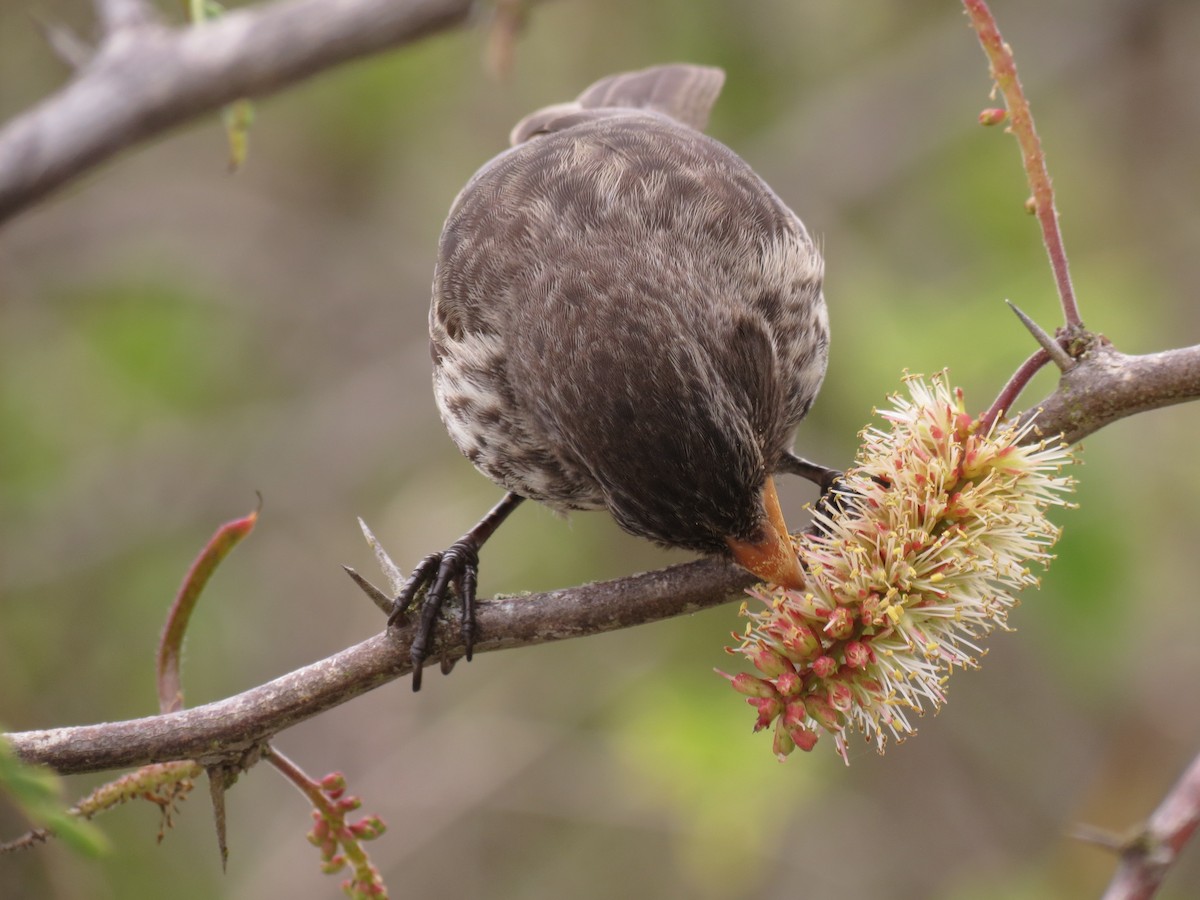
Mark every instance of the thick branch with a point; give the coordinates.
(1107, 385)
(227, 728)
(146, 78)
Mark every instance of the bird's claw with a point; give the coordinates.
(458, 564)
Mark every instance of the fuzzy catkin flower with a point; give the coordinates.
(919, 557)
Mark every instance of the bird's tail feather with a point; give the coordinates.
(684, 92)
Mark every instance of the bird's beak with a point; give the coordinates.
(772, 558)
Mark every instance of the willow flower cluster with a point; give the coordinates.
(910, 565)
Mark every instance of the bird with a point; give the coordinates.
(625, 317)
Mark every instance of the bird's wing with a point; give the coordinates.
(683, 92)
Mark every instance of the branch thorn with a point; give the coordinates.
(391, 571)
(1060, 356)
(71, 50)
(378, 597)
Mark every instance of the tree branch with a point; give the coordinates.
(144, 80)
(1103, 387)
(228, 728)
(115, 15)
(1148, 856)
(1108, 385)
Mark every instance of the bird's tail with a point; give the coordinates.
(684, 92)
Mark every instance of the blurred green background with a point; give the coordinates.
(173, 338)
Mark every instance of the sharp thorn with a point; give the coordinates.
(218, 781)
(1099, 837)
(1060, 356)
(378, 597)
(391, 571)
(73, 52)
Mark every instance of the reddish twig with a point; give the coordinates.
(1147, 857)
(1008, 395)
(1004, 73)
(340, 842)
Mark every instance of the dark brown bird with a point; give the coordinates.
(626, 317)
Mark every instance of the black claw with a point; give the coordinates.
(457, 565)
(470, 578)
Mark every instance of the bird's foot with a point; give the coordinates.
(431, 581)
(822, 476)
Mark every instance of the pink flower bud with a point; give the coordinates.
(796, 715)
(824, 666)
(333, 781)
(768, 708)
(825, 715)
(841, 697)
(992, 116)
(769, 662)
(789, 684)
(750, 685)
(333, 865)
(783, 744)
(804, 738)
(858, 655)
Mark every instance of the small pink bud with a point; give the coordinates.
(345, 804)
(819, 709)
(769, 662)
(871, 686)
(333, 865)
(992, 116)
(824, 666)
(333, 781)
(796, 715)
(841, 697)
(858, 655)
(768, 708)
(750, 685)
(804, 738)
(789, 684)
(783, 744)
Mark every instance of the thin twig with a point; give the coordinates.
(1004, 73)
(1146, 858)
(1008, 395)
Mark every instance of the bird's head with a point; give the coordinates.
(769, 552)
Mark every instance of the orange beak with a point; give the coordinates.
(773, 558)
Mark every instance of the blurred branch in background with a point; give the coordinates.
(146, 77)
